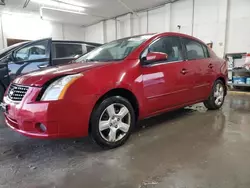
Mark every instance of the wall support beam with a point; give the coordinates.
(168, 17)
(104, 31)
(227, 27)
(147, 22)
(193, 7)
(116, 29)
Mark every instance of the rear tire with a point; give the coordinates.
(112, 122)
(217, 96)
(1, 93)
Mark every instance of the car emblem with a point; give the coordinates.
(11, 93)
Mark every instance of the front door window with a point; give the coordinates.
(32, 52)
(31, 57)
(169, 45)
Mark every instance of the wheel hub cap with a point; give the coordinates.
(114, 122)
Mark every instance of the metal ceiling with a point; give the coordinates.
(94, 11)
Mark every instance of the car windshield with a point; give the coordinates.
(114, 51)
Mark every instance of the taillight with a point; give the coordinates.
(247, 60)
(224, 68)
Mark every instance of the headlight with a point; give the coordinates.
(57, 89)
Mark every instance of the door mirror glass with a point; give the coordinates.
(156, 56)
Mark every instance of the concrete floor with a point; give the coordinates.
(189, 148)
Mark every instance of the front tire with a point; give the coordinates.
(217, 96)
(112, 122)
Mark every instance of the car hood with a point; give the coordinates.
(39, 78)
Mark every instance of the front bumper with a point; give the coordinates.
(62, 118)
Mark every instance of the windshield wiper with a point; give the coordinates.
(113, 60)
(104, 60)
(91, 60)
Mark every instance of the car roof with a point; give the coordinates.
(179, 35)
(154, 35)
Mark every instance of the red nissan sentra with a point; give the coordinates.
(106, 91)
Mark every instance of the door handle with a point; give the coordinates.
(42, 66)
(184, 71)
(210, 66)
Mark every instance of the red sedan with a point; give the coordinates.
(106, 91)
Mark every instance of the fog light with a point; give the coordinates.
(41, 127)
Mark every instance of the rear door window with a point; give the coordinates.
(68, 50)
(194, 49)
(207, 55)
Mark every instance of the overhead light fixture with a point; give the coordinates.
(60, 10)
(60, 4)
(72, 2)
(69, 6)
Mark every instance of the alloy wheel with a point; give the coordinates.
(114, 122)
(219, 94)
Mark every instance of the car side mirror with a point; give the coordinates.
(11, 56)
(155, 56)
(76, 56)
(8, 58)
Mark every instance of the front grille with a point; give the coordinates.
(16, 92)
